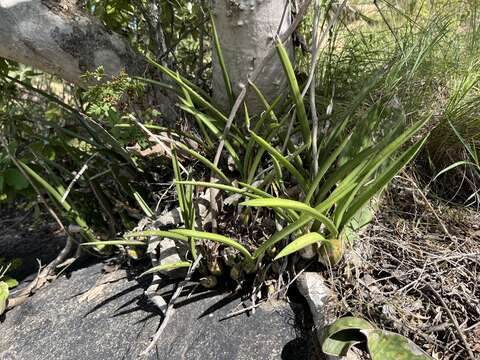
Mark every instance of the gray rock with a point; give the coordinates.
(105, 317)
(320, 299)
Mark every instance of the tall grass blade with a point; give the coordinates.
(221, 61)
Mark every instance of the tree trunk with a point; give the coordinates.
(58, 38)
(246, 29)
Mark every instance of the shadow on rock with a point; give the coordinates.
(105, 316)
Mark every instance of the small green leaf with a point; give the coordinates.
(15, 179)
(11, 282)
(4, 292)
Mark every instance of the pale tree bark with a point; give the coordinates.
(246, 29)
(57, 37)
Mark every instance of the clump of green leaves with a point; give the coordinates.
(108, 97)
(274, 158)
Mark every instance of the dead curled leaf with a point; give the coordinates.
(154, 150)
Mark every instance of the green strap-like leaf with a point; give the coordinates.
(169, 266)
(253, 164)
(227, 188)
(294, 205)
(188, 107)
(142, 203)
(296, 94)
(337, 195)
(282, 159)
(205, 120)
(159, 233)
(255, 190)
(214, 237)
(300, 243)
(115, 242)
(353, 166)
(269, 109)
(196, 93)
(382, 180)
(185, 201)
(324, 168)
(203, 160)
(378, 160)
(58, 197)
